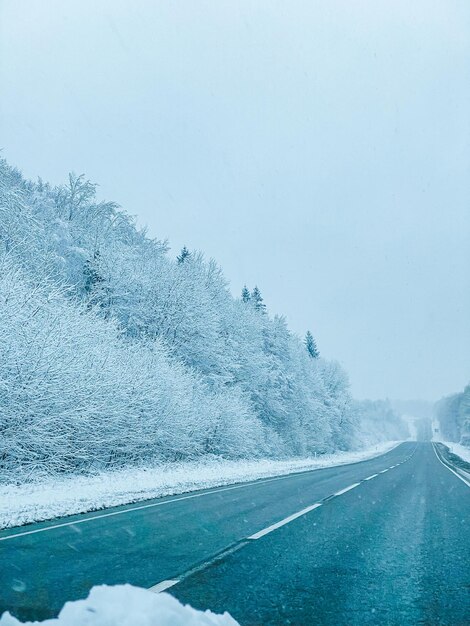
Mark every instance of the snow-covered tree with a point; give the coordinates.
(376, 420)
(183, 255)
(257, 300)
(453, 414)
(111, 353)
(246, 296)
(311, 345)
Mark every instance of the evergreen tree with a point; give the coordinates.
(246, 296)
(93, 282)
(258, 300)
(172, 366)
(91, 275)
(97, 291)
(183, 255)
(311, 345)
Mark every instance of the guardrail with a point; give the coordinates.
(446, 457)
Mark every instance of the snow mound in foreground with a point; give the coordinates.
(125, 605)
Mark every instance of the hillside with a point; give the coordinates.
(453, 414)
(113, 355)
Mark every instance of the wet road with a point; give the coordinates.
(384, 541)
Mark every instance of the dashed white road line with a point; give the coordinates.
(294, 516)
(284, 521)
(340, 493)
(165, 584)
(141, 507)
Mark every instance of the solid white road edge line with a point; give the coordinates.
(449, 468)
(149, 506)
(284, 521)
(165, 584)
(178, 499)
(141, 507)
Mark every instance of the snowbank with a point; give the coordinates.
(124, 605)
(32, 502)
(459, 450)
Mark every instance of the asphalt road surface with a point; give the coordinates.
(384, 541)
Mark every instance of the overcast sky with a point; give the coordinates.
(318, 149)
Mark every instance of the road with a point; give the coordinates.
(384, 541)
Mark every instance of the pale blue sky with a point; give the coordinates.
(318, 149)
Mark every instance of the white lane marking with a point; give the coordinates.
(340, 493)
(449, 468)
(165, 584)
(154, 504)
(284, 521)
(383, 471)
(187, 497)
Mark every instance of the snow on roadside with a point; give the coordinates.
(124, 605)
(44, 500)
(459, 450)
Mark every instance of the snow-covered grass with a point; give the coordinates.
(124, 605)
(32, 502)
(459, 450)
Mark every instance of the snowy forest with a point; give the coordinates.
(453, 414)
(113, 354)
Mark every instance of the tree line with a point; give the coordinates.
(453, 414)
(112, 353)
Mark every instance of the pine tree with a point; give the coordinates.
(97, 291)
(311, 345)
(246, 296)
(91, 275)
(258, 300)
(183, 255)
